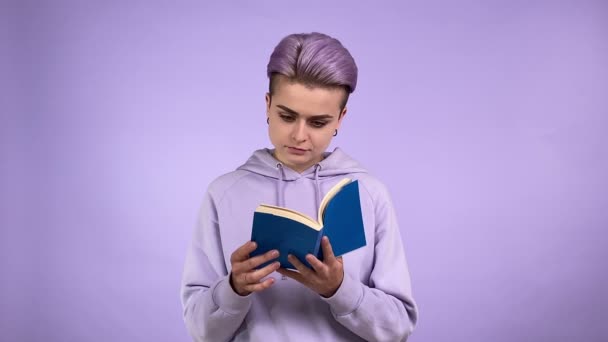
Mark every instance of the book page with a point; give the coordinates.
(290, 214)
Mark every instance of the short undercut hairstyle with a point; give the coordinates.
(314, 60)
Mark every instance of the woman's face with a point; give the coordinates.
(302, 122)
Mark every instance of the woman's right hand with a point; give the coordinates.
(244, 278)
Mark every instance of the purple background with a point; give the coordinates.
(488, 121)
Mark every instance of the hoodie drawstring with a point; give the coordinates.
(281, 179)
(317, 187)
(280, 198)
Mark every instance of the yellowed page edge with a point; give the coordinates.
(290, 214)
(328, 196)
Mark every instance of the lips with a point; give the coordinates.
(297, 151)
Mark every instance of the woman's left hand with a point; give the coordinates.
(325, 277)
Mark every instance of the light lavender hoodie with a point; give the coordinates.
(374, 301)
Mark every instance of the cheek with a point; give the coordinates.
(276, 132)
(272, 134)
(321, 139)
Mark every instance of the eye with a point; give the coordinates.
(318, 124)
(287, 118)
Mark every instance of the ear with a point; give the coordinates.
(342, 115)
(268, 101)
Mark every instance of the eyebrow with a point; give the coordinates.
(316, 117)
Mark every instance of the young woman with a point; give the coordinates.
(364, 295)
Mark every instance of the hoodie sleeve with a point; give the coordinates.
(384, 310)
(212, 310)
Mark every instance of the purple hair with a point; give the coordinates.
(313, 59)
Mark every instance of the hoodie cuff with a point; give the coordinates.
(347, 298)
(229, 301)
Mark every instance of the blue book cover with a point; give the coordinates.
(291, 232)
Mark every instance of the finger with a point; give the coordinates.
(291, 274)
(259, 286)
(257, 275)
(317, 264)
(252, 263)
(328, 252)
(242, 253)
(256, 261)
(305, 271)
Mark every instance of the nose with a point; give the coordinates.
(299, 133)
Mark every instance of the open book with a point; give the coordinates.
(291, 232)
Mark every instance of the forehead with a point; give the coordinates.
(307, 100)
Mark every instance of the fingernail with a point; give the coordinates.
(253, 244)
(275, 253)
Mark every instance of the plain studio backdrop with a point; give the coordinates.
(487, 120)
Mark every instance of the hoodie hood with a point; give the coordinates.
(333, 164)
